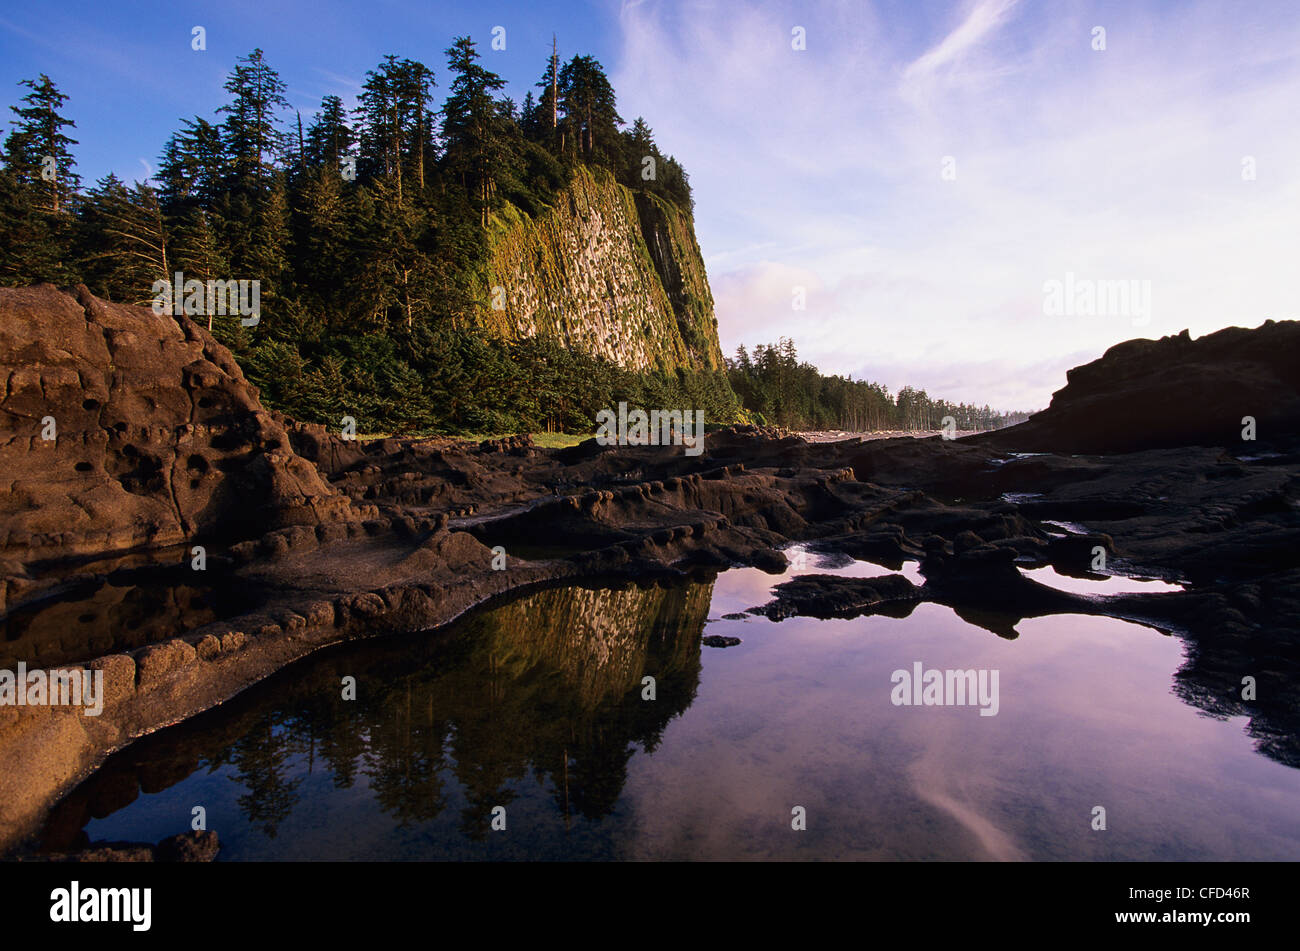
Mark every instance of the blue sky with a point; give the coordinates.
(823, 169)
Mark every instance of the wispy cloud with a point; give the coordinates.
(984, 18)
(823, 169)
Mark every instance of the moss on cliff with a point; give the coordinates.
(605, 271)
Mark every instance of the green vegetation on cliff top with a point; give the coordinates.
(480, 267)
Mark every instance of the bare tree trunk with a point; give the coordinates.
(397, 149)
(419, 156)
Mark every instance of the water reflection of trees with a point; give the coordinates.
(544, 689)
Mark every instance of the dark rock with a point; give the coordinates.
(771, 561)
(1175, 391)
(832, 596)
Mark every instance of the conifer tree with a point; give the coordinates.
(193, 167)
(122, 240)
(33, 243)
(36, 152)
(196, 249)
(546, 129)
(330, 138)
(250, 133)
(396, 124)
(590, 115)
(322, 262)
(475, 149)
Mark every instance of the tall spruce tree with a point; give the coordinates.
(330, 138)
(122, 241)
(591, 118)
(546, 128)
(36, 151)
(193, 168)
(396, 124)
(475, 147)
(251, 134)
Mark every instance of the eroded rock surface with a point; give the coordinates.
(123, 428)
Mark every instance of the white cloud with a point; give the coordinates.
(822, 168)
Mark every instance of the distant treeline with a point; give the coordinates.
(777, 389)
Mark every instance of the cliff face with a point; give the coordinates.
(606, 271)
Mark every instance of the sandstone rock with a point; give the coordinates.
(158, 438)
(119, 677)
(157, 663)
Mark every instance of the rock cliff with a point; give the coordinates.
(123, 428)
(607, 271)
(1175, 391)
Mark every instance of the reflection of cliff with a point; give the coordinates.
(1213, 679)
(548, 685)
(597, 639)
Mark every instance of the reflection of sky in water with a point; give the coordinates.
(1114, 584)
(743, 588)
(800, 714)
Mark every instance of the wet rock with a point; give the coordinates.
(771, 561)
(832, 596)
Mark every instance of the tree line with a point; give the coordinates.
(778, 389)
(367, 230)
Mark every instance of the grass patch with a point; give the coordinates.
(541, 440)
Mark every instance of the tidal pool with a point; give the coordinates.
(536, 706)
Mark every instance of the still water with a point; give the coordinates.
(537, 706)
